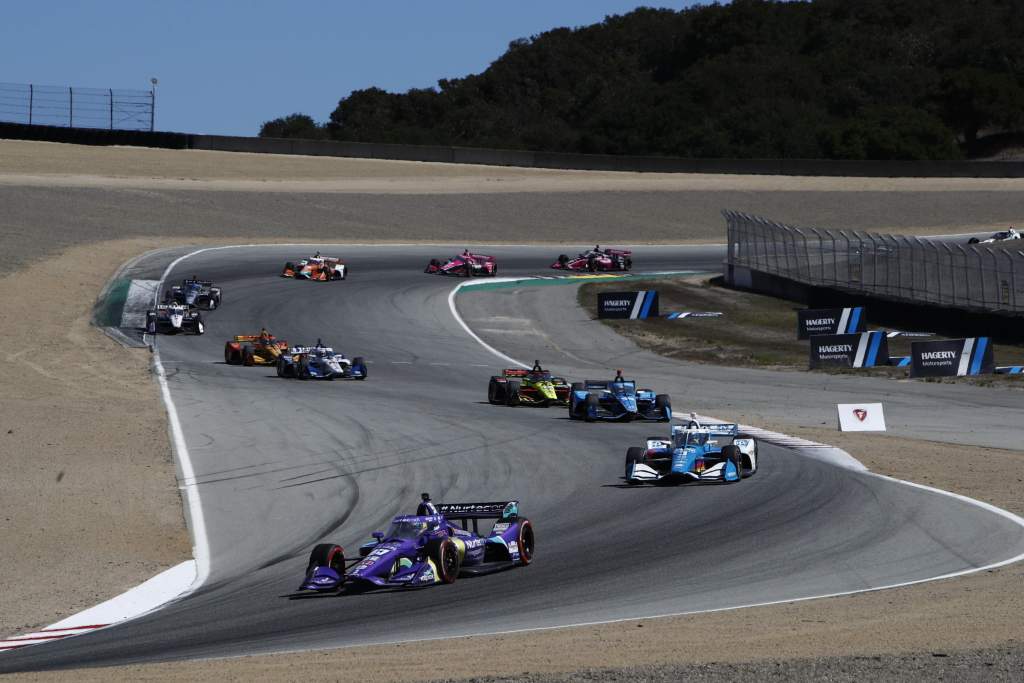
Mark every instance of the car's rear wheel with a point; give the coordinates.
(634, 455)
(591, 265)
(280, 367)
(563, 260)
(526, 542)
(446, 558)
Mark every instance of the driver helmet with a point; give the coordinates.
(426, 506)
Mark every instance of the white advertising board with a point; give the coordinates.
(861, 417)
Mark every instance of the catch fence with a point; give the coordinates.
(987, 277)
(48, 105)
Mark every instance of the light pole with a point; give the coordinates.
(152, 103)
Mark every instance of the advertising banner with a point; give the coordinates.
(813, 321)
(631, 305)
(864, 350)
(952, 358)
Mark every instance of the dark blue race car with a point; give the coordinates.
(427, 549)
(319, 362)
(617, 400)
(194, 293)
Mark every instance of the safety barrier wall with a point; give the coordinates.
(987, 278)
(523, 158)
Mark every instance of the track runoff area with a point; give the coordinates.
(277, 466)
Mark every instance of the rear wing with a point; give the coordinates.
(618, 252)
(205, 283)
(506, 511)
(715, 429)
(605, 384)
(252, 338)
(516, 372)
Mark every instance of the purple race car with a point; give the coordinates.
(428, 548)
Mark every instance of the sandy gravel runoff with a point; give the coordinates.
(89, 490)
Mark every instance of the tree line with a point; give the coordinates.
(841, 79)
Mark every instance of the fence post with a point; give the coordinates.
(807, 257)
(821, 256)
(1013, 279)
(152, 107)
(71, 107)
(111, 91)
(952, 273)
(31, 101)
(874, 262)
(938, 269)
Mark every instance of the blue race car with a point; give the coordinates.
(426, 549)
(319, 362)
(695, 452)
(617, 400)
(194, 292)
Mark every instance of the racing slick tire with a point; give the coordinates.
(495, 392)
(229, 355)
(327, 555)
(280, 368)
(526, 542)
(663, 407)
(288, 266)
(563, 260)
(752, 470)
(732, 454)
(512, 393)
(973, 240)
(591, 265)
(301, 371)
(248, 359)
(634, 454)
(446, 558)
(627, 264)
(358, 360)
(151, 323)
(469, 270)
(591, 402)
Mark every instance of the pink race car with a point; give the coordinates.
(596, 259)
(464, 265)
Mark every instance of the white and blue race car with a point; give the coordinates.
(319, 362)
(693, 452)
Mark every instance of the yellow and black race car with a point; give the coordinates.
(534, 387)
(254, 349)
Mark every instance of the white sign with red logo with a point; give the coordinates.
(861, 417)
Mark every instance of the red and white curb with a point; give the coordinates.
(45, 636)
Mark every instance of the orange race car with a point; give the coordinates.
(316, 267)
(254, 349)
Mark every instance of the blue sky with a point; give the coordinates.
(225, 67)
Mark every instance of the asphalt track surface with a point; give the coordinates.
(282, 464)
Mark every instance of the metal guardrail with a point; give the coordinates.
(987, 278)
(49, 105)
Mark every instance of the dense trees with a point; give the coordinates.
(871, 79)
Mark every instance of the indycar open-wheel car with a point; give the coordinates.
(424, 550)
